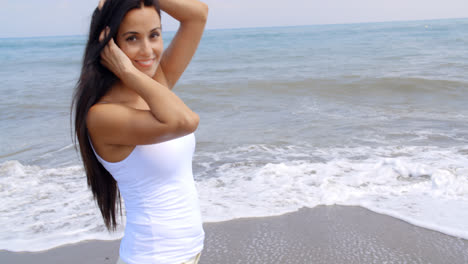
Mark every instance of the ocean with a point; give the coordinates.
(372, 115)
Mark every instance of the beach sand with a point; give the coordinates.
(324, 234)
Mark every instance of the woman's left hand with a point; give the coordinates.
(101, 4)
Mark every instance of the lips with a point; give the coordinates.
(145, 63)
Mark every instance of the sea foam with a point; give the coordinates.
(426, 186)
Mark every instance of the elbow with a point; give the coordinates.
(203, 11)
(199, 14)
(192, 123)
(188, 124)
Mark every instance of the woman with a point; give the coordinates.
(135, 135)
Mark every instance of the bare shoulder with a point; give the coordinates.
(101, 118)
(102, 115)
(103, 123)
(122, 125)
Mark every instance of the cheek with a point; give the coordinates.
(158, 49)
(129, 50)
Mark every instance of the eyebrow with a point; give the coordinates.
(136, 33)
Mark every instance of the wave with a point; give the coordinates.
(426, 186)
(43, 43)
(346, 85)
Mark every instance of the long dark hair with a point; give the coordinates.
(94, 82)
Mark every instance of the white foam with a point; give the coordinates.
(44, 208)
(426, 186)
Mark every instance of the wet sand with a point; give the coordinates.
(324, 234)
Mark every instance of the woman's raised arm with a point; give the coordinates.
(192, 15)
(117, 124)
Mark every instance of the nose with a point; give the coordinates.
(146, 49)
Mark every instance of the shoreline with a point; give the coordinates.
(323, 234)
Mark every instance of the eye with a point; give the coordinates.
(131, 38)
(155, 35)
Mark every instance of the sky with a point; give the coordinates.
(28, 18)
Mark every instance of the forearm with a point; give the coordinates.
(164, 104)
(185, 10)
(192, 15)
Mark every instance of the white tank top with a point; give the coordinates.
(163, 214)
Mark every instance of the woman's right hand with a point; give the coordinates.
(113, 58)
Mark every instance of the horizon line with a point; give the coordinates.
(259, 27)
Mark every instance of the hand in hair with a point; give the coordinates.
(113, 58)
(101, 4)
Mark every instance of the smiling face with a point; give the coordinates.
(139, 37)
